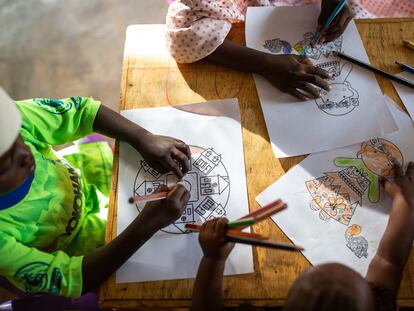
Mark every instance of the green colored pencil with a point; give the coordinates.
(241, 223)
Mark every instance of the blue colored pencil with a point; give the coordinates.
(335, 12)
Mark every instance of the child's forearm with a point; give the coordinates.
(239, 57)
(98, 266)
(387, 266)
(207, 293)
(112, 124)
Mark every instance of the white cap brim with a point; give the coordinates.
(10, 122)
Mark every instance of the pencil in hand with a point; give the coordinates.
(148, 198)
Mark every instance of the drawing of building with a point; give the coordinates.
(147, 168)
(209, 209)
(210, 185)
(207, 161)
(187, 217)
(148, 187)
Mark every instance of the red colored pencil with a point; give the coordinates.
(148, 198)
(270, 212)
(263, 209)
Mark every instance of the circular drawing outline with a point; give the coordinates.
(200, 217)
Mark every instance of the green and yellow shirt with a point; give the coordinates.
(44, 236)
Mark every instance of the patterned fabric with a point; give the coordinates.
(195, 28)
(47, 233)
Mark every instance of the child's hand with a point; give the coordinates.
(402, 188)
(291, 73)
(159, 214)
(212, 239)
(165, 153)
(338, 25)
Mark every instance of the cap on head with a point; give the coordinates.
(10, 122)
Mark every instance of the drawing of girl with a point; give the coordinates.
(337, 194)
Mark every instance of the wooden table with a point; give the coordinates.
(151, 78)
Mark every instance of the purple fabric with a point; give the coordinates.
(90, 139)
(45, 302)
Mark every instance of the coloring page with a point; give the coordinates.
(337, 209)
(216, 182)
(301, 127)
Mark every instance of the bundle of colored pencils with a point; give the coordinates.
(234, 233)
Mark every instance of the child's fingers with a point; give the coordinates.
(319, 28)
(305, 86)
(176, 192)
(173, 166)
(161, 188)
(297, 94)
(334, 31)
(209, 225)
(313, 70)
(185, 197)
(391, 188)
(318, 81)
(183, 147)
(221, 227)
(303, 60)
(182, 159)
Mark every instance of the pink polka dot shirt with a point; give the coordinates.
(195, 28)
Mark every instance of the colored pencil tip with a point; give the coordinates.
(131, 200)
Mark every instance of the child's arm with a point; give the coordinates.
(162, 152)
(387, 267)
(286, 72)
(207, 293)
(98, 266)
(35, 271)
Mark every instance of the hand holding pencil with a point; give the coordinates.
(333, 20)
(161, 213)
(233, 233)
(213, 241)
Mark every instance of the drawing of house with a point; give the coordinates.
(207, 161)
(148, 187)
(210, 185)
(187, 216)
(147, 168)
(209, 208)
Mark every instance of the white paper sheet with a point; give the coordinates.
(217, 183)
(406, 93)
(336, 213)
(297, 127)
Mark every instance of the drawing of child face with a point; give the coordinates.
(379, 156)
(340, 100)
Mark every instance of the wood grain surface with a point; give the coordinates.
(151, 78)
